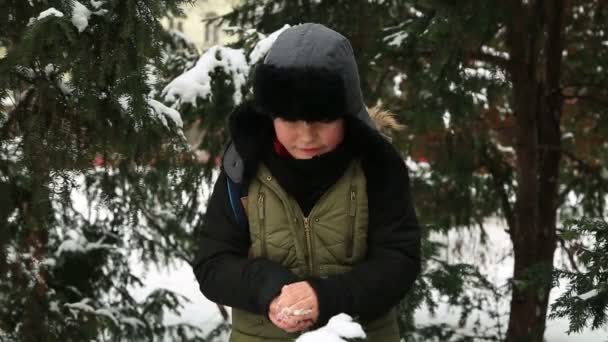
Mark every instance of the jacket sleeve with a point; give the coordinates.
(391, 266)
(224, 272)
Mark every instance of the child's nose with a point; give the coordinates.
(307, 132)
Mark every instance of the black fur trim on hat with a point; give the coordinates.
(250, 131)
(308, 94)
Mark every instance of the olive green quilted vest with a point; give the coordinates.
(331, 239)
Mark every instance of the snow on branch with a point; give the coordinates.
(261, 48)
(81, 14)
(589, 294)
(84, 306)
(196, 82)
(163, 111)
(49, 12)
(81, 245)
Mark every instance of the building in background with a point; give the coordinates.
(195, 25)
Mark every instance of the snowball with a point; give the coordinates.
(337, 329)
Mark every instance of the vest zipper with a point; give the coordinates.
(307, 232)
(350, 237)
(262, 226)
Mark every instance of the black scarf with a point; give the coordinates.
(306, 180)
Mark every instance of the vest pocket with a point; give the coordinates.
(350, 230)
(261, 216)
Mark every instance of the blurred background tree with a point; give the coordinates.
(96, 176)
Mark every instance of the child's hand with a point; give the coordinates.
(296, 309)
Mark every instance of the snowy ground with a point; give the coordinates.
(495, 265)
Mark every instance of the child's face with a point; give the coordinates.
(305, 140)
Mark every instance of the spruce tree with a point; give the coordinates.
(95, 173)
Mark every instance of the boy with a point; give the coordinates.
(329, 222)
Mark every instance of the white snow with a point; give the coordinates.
(505, 149)
(337, 329)
(163, 111)
(485, 74)
(124, 102)
(81, 14)
(11, 149)
(96, 4)
(397, 80)
(183, 37)
(589, 294)
(413, 11)
(132, 321)
(493, 52)
(49, 69)
(481, 98)
(446, 119)
(83, 305)
(567, 135)
(50, 12)
(11, 254)
(396, 39)
(81, 245)
(196, 82)
(54, 307)
(261, 48)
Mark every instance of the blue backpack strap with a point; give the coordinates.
(234, 193)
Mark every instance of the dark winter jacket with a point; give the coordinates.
(222, 267)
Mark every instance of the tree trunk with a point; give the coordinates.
(536, 42)
(36, 213)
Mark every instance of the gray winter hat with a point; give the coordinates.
(310, 74)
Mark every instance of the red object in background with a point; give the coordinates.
(422, 160)
(99, 160)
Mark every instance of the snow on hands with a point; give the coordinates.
(339, 328)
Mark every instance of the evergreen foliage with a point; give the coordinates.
(585, 303)
(95, 174)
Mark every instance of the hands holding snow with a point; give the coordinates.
(296, 308)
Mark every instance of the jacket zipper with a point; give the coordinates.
(307, 232)
(262, 227)
(352, 209)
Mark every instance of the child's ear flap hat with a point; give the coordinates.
(310, 74)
